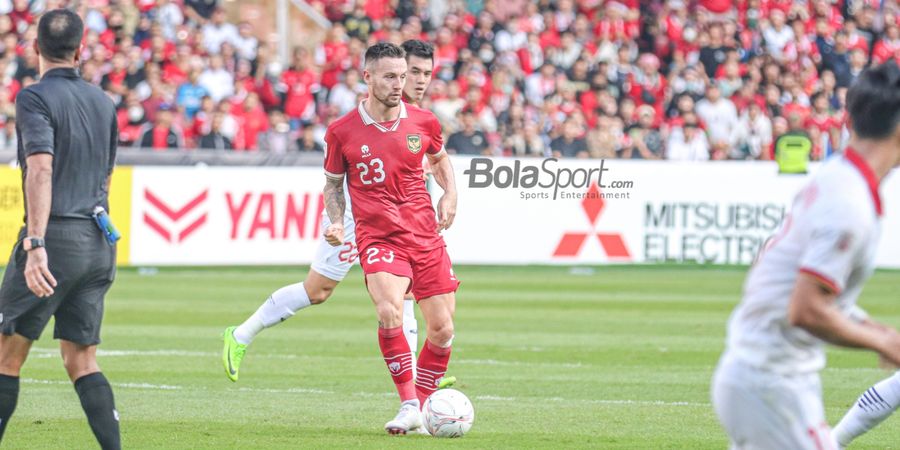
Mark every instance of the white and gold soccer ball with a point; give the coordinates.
(448, 413)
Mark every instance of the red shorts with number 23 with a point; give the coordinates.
(430, 270)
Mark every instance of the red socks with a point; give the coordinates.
(398, 358)
(430, 369)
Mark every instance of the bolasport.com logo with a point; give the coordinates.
(547, 181)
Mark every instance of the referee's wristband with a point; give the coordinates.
(31, 243)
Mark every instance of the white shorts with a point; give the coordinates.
(764, 410)
(335, 262)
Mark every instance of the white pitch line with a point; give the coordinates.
(43, 353)
(157, 387)
(168, 387)
(592, 401)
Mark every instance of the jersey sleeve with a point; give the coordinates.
(437, 139)
(33, 123)
(832, 251)
(335, 164)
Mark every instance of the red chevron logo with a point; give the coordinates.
(174, 233)
(571, 243)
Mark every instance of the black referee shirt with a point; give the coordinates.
(74, 121)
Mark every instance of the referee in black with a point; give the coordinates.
(61, 265)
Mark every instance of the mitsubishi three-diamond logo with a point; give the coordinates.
(572, 242)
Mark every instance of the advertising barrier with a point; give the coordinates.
(12, 209)
(614, 211)
(225, 215)
(525, 211)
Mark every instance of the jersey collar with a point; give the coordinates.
(867, 173)
(368, 120)
(65, 72)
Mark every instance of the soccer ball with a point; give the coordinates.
(448, 413)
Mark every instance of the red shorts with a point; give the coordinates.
(430, 271)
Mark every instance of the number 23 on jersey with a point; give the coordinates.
(376, 166)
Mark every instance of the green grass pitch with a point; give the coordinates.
(611, 357)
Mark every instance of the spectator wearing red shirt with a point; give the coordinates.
(377, 9)
(21, 16)
(162, 134)
(718, 7)
(300, 83)
(446, 54)
(8, 83)
(332, 56)
(888, 47)
(114, 80)
(647, 86)
(674, 22)
(203, 117)
(855, 39)
(130, 118)
(252, 120)
(823, 126)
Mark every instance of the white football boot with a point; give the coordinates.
(409, 418)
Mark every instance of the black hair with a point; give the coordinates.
(873, 101)
(383, 50)
(59, 35)
(419, 49)
(816, 96)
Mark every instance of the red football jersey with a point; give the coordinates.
(382, 163)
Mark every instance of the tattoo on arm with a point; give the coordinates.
(334, 199)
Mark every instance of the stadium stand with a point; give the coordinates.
(570, 78)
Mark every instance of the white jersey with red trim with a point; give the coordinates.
(831, 233)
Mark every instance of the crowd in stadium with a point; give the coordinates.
(676, 79)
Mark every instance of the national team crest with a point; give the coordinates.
(414, 142)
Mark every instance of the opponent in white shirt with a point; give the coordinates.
(802, 291)
(331, 264)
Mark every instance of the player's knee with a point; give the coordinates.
(441, 334)
(11, 364)
(318, 295)
(389, 316)
(79, 364)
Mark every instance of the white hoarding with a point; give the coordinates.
(528, 211)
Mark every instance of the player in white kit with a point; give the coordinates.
(331, 264)
(801, 293)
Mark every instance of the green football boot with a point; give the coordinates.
(232, 354)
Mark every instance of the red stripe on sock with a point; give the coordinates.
(397, 357)
(432, 366)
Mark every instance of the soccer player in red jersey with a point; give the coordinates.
(330, 264)
(378, 149)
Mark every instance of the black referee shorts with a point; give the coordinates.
(84, 266)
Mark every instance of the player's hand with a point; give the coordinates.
(37, 273)
(446, 211)
(334, 234)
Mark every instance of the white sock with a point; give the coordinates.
(280, 306)
(413, 402)
(410, 327)
(872, 407)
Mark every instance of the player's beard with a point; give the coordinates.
(388, 100)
